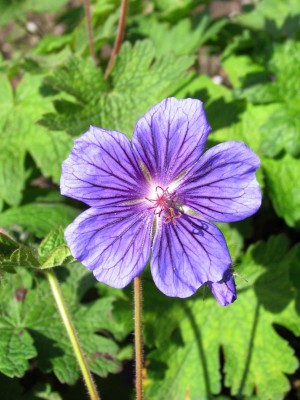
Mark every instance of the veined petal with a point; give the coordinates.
(113, 242)
(224, 291)
(222, 186)
(102, 169)
(187, 254)
(170, 137)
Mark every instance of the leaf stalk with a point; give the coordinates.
(88, 19)
(119, 38)
(138, 338)
(68, 324)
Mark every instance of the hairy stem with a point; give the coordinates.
(138, 338)
(89, 29)
(67, 322)
(119, 37)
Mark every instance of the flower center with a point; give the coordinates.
(164, 204)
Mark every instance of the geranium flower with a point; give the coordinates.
(158, 194)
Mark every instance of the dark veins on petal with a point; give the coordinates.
(187, 253)
(102, 169)
(222, 186)
(170, 137)
(114, 242)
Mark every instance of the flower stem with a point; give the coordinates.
(119, 37)
(89, 29)
(65, 316)
(138, 338)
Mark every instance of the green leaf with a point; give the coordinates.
(182, 38)
(19, 133)
(17, 256)
(157, 331)
(12, 173)
(16, 346)
(32, 327)
(285, 64)
(58, 256)
(175, 9)
(239, 67)
(49, 149)
(38, 218)
(283, 68)
(22, 257)
(234, 240)
(7, 245)
(278, 18)
(52, 43)
(281, 129)
(10, 10)
(122, 310)
(54, 250)
(117, 106)
(188, 361)
(6, 96)
(202, 87)
(284, 189)
(248, 128)
(221, 108)
(53, 240)
(42, 391)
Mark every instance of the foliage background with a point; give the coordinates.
(242, 58)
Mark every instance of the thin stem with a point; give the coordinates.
(119, 38)
(138, 338)
(89, 29)
(65, 316)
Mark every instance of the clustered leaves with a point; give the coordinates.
(118, 103)
(245, 333)
(50, 93)
(32, 326)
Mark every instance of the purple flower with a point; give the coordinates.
(158, 194)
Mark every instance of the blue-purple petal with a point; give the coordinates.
(113, 242)
(222, 185)
(224, 291)
(102, 169)
(170, 137)
(187, 254)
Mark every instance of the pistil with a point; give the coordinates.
(164, 203)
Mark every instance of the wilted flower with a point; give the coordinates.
(158, 194)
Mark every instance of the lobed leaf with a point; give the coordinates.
(183, 38)
(117, 106)
(19, 134)
(188, 361)
(32, 327)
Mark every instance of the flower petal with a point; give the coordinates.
(102, 169)
(222, 186)
(188, 254)
(170, 137)
(224, 291)
(113, 242)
